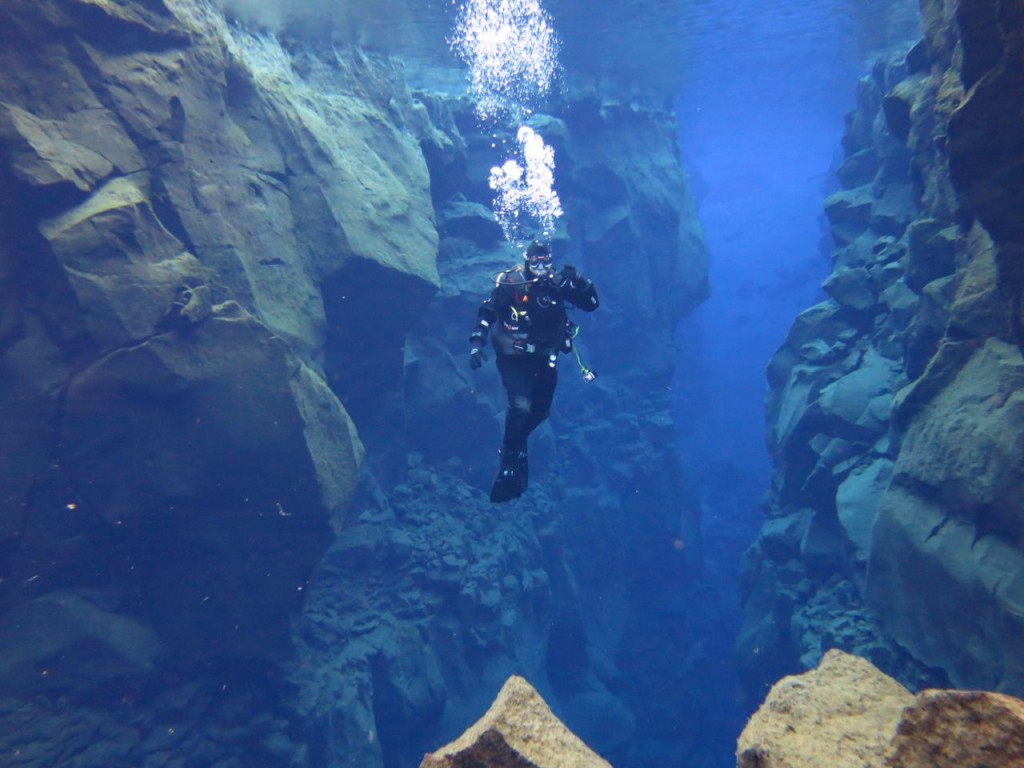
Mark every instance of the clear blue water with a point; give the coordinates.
(761, 115)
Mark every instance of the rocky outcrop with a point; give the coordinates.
(830, 407)
(893, 408)
(847, 713)
(518, 729)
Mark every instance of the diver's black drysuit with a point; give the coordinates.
(527, 321)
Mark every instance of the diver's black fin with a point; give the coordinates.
(512, 477)
(506, 488)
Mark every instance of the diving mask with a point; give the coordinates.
(538, 264)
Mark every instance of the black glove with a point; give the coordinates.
(569, 275)
(476, 357)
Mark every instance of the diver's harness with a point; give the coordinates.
(572, 330)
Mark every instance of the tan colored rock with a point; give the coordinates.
(518, 731)
(840, 715)
(959, 729)
(847, 713)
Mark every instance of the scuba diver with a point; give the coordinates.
(526, 318)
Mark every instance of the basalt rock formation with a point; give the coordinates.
(895, 406)
(243, 518)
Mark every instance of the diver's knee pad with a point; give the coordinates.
(521, 403)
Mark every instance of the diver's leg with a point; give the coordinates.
(517, 376)
(528, 414)
(530, 382)
(512, 475)
(542, 392)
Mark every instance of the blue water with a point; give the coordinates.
(761, 116)
(764, 91)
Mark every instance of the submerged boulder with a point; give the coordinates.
(841, 714)
(849, 212)
(847, 713)
(851, 288)
(857, 501)
(862, 399)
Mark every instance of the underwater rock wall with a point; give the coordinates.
(168, 420)
(186, 235)
(243, 516)
(894, 408)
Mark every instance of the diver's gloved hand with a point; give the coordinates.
(569, 275)
(477, 356)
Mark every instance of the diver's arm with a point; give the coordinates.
(487, 315)
(485, 318)
(578, 289)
